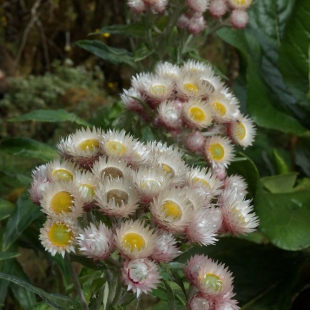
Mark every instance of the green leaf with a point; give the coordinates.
(28, 148)
(6, 266)
(294, 59)
(8, 255)
(114, 55)
(26, 212)
(55, 300)
(50, 116)
(142, 52)
(259, 99)
(281, 165)
(6, 208)
(284, 217)
(131, 30)
(247, 170)
(282, 183)
(170, 294)
(259, 271)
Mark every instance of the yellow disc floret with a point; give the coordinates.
(120, 197)
(168, 169)
(213, 282)
(220, 108)
(62, 202)
(158, 90)
(62, 174)
(197, 114)
(60, 234)
(112, 172)
(133, 241)
(190, 88)
(172, 209)
(89, 144)
(87, 190)
(217, 151)
(202, 181)
(115, 148)
(240, 131)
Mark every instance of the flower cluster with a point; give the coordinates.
(150, 200)
(193, 104)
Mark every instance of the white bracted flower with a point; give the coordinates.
(138, 81)
(117, 144)
(172, 210)
(168, 70)
(134, 240)
(242, 131)
(197, 114)
(140, 275)
(192, 267)
(218, 8)
(86, 183)
(140, 156)
(198, 6)
(62, 200)
(204, 226)
(205, 180)
(117, 197)
(83, 146)
(218, 151)
(239, 4)
(169, 116)
(196, 67)
(150, 181)
(223, 107)
(237, 184)
(213, 279)
(239, 19)
(165, 247)
(111, 168)
(39, 183)
(191, 86)
(137, 6)
(61, 170)
(238, 215)
(199, 302)
(58, 236)
(132, 98)
(96, 242)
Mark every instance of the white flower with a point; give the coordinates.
(61, 170)
(239, 4)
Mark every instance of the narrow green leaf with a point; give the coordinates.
(55, 300)
(8, 255)
(170, 294)
(105, 295)
(26, 212)
(50, 116)
(130, 30)
(28, 148)
(6, 208)
(284, 217)
(6, 266)
(114, 55)
(142, 52)
(281, 165)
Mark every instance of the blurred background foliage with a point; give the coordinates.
(49, 87)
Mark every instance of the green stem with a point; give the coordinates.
(99, 298)
(191, 292)
(118, 293)
(76, 282)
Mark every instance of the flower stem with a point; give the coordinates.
(191, 292)
(76, 282)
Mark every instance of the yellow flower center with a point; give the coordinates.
(168, 169)
(133, 241)
(60, 234)
(151, 184)
(62, 202)
(158, 90)
(240, 2)
(115, 148)
(197, 114)
(213, 282)
(112, 172)
(216, 151)
(62, 175)
(87, 191)
(202, 181)
(240, 131)
(172, 209)
(120, 197)
(220, 108)
(190, 88)
(89, 144)
(239, 216)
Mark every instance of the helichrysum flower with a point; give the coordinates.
(96, 242)
(218, 8)
(197, 114)
(242, 131)
(132, 100)
(237, 184)
(58, 236)
(62, 200)
(239, 19)
(198, 5)
(190, 86)
(134, 240)
(165, 249)
(117, 197)
(238, 216)
(199, 302)
(39, 183)
(218, 151)
(194, 141)
(137, 6)
(61, 170)
(167, 69)
(192, 267)
(169, 116)
(86, 183)
(140, 275)
(171, 210)
(204, 225)
(239, 4)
